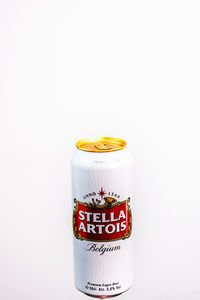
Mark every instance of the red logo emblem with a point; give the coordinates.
(98, 222)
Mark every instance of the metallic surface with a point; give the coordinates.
(101, 144)
(97, 178)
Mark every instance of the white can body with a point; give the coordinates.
(102, 267)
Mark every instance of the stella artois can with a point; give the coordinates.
(102, 216)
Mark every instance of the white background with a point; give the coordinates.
(75, 69)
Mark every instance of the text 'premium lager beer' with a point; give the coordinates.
(102, 216)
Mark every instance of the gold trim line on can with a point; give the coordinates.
(101, 144)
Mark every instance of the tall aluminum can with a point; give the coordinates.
(102, 216)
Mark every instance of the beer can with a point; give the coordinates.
(102, 216)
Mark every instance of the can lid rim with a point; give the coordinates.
(101, 144)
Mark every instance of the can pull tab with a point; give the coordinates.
(103, 146)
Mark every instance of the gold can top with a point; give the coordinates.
(101, 144)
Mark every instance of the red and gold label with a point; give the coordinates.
(110, 220)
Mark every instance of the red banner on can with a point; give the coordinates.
(100, 223)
